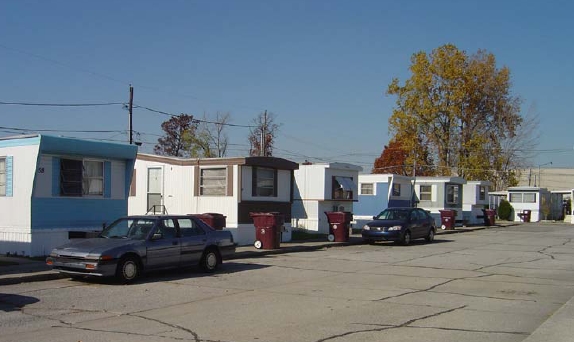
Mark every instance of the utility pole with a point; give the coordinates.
(131, 105)
(263, 149)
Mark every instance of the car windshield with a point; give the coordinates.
(128, 228)
(393, 214)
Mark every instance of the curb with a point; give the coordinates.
(32, 277)
(290, 249)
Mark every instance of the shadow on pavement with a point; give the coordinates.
(176, 274)
(14, 302)
(414, 243)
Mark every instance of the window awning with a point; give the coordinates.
(346, 183)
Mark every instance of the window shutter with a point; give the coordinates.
(107, 179)
(229, 180)
(196, 180)
(133, 183)
(276, 175)
(254, 181)
(9, 176)
(55, 176)
(434, 194)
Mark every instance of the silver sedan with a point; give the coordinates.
(134, 244)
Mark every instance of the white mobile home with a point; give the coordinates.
(381, 191)
(320, 188)
(474, 200)
(233, 187)
(440, 193)
(533, 199)
(54, 188)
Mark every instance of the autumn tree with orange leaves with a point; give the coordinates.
(396, 160)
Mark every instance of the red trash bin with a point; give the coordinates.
(339, 225)
(214, 220)
(267, 229)
(447, 219)
(527, 213)
(489, 217)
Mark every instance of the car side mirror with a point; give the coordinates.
(374, 217)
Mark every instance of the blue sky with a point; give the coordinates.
(322, 67)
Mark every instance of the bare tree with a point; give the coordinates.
(262, 136)
(211, 141)
(517, 151)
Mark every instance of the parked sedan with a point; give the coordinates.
(134, 244)
(400, 225)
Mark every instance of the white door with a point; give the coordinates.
(155, 190)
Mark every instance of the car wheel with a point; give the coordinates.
(128, 269)
(406, 240)
(430, 236)
(210, 260)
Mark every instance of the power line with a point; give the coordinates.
(38, 104)
(61, 104)
(194, 120)
(58, 130)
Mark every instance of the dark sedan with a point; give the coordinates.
(400, 225)
(134, 244)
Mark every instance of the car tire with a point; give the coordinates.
(210, 260)
(128, 269)
(430, 237)
(406, 239)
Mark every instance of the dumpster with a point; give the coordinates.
(339, 225)
(489, 217)
(214, 220)
(268, 228)
(447, 219)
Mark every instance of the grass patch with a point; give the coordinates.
(303, 235)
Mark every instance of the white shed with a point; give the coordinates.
(535, 199)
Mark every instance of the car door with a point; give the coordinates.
(164, 247)
(414, 223)
(425, 222)
(193, 241)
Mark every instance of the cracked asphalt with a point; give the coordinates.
(498, 284)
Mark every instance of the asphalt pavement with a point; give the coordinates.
(558, 327)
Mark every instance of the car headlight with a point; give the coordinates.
(366, 227)
(54, 255)
(394, 228)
